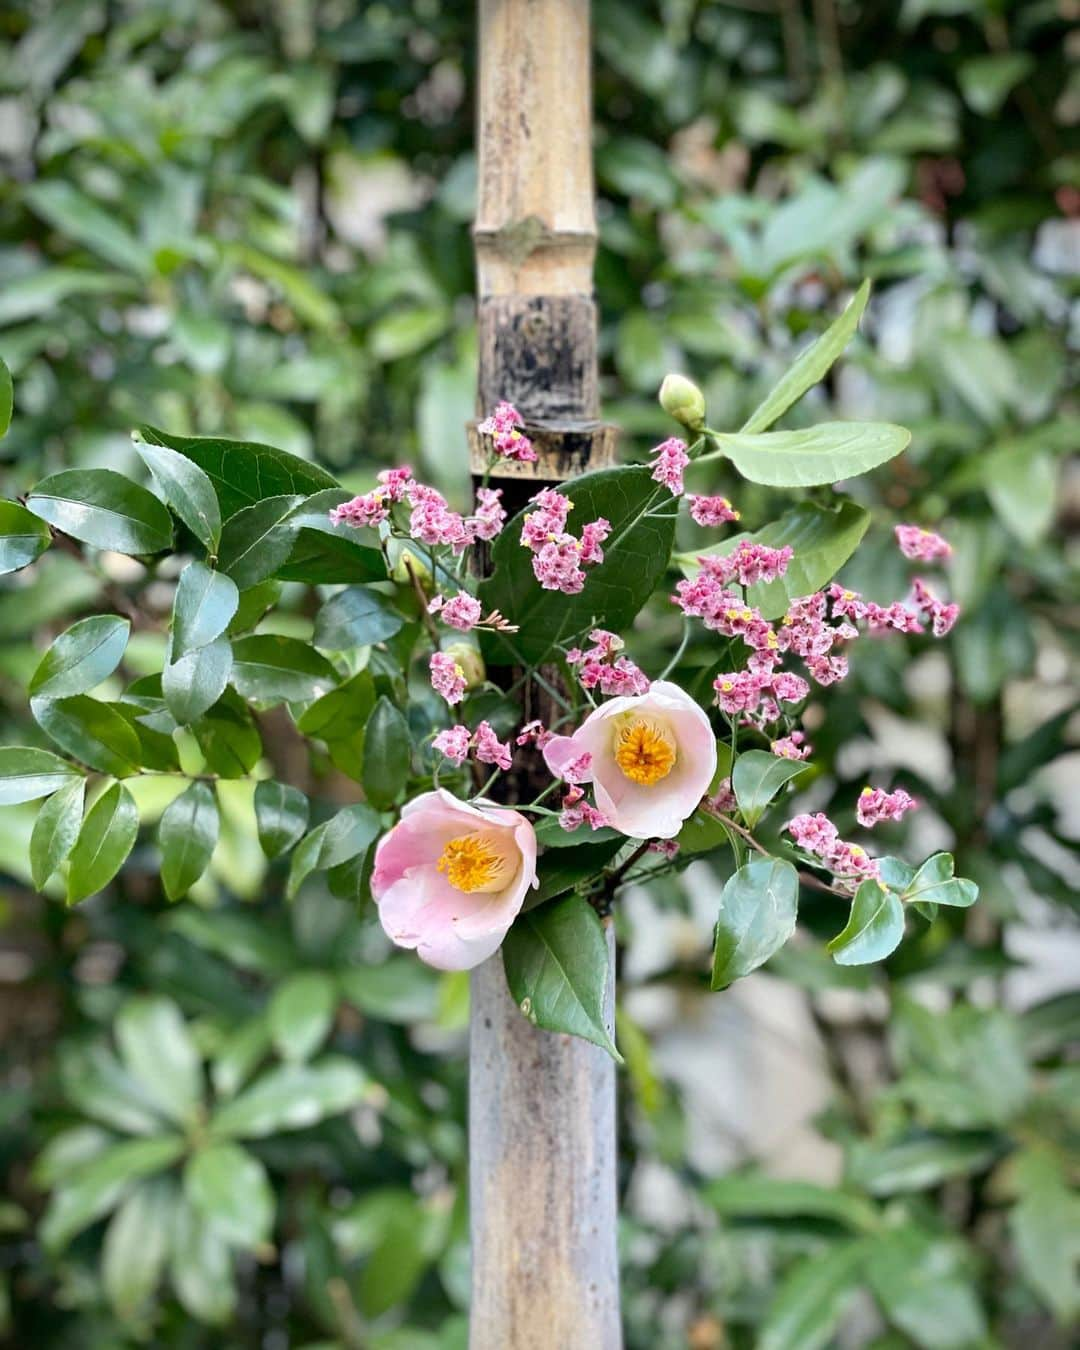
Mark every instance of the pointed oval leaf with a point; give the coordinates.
(301, 1013)
(194, 683)
(201, 1268)
(272, 669)
(203, 608)
(757, 777)
(356, 617)
(230, 1189)
(106, 838)
(136, 1245)
(335, 841)
(90, 731)
(874, 928)
(80, 658)
(827, 453)
(228, 737)
(23, 537)
(758, 909)
(386, 754)
(291, 1097)
(281, 816)
(27, 773)
(55, 831)
(187, 836)
(186, 488)
(258, 539)
(103, 509)
(160, 1055)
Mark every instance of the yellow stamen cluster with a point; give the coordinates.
(473, 862)
(645, 750)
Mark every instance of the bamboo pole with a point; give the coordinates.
(542, 1152)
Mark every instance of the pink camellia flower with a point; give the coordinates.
(451, 876)
(652, 758)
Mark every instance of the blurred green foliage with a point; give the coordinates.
(253, 219)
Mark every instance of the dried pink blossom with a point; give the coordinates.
(942, 617)
(365, 511)
(504, 427)
(489, 749)
(447, 677)
(489, 517)
(576, 811)
(875, 805)
(547, 519)
(723, 799)
(600, 665)
(534, 732)
(462, 611)
(815, 833)
(794, 746)
(669, 462)
(711, 511)
(433, 522)
(667, 848)
(921, 545)
(453, 743)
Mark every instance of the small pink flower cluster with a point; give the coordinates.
(670, 461)
(875, 805)
(922, 545)
(534, 732)
(504, 427)
(576, 811)
(940, 616)
(795, 746)
(461, 611)
(757, 691)
(723, 801)
(447, 677)
(431, 521)
(559, 556)
(667, 848)
(711, 511)
(372, 508)
(818, 836)
(457, 741)
(721, 610)
(748, 563)
(600, 665)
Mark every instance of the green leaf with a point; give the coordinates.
(1022, 485)
(386, 755)
(97, 1187)
(187, 836)
(291, 1097)
(329, 554)
(823, 537)
(271, 669)
(934, 884)
(203, 608)
(758, 908)
(55, 831)
(160, 1055)
(229, 737)
(920, 1162)
(136, 1245)
(194, 683)
(187, 489)
(23, 537)
(558, 966)
(560, 869)
(827, 453)
(809, 368)
(79, 217)
(80, 658)
(244, 472)
(874, 928)
(401, 990)
(90, 731)
(1045, 1226)
(97, 1084)
(7, 398)
(106, 838)
(103, 509)
(301, 1013)
(281, 816)
(356, 617)
(806, 1309)
(635, 557)
(343, 712)
(231, 1191)
(257, 540)
(986, 81)
(27, 774)
(200, 1268)
(335, 841)
(757, 777)
(755, 1197)
(925, 1291)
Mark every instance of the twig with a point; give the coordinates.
(425, 613)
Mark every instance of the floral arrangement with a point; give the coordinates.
(470, 673)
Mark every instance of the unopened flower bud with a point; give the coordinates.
(682, 399)
(468, 659)
(404, 561)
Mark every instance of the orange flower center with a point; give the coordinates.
(645, 750)
(474, 862)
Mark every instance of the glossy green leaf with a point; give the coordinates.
(921, 1161)
(194, 683)
(401, 990)
(301, 1013)
(201, 1268)
(97, 1084)
(103, 509)
(186, 488)
(160, 1055)
(106, 838)
(90, 731)
(23, 537)
(1022, 485)
(230, 1189)
(257, 540)
(27, 773)
(809, 368)
(281, 816)
(55, 831)
(228, 737)
(323, 553)
(757, 1197)
(335, 841)
(386, 754)
(272, 669)
(830, 452)
(203, 608)
(934, 884)
(136, 1245)
(558, 969)
(806, 1309)
(356, 617)
(925, 1290)
(343, 712)
(560, 869)
(291, 1097)
(758, 909)
(80, 658)
(757, 777)
(187, 837)
(874, 928)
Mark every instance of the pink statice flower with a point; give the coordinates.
(558, 557)
(490, 750)
(534, 733)
(447, 677)
(922, 545)
(397, 484)
(454, 744)
(875, 805)
(669, 461)
(577, 811)
(818, 836)
(432, 521)
(363, 512)
(794, 746)
(489, 516)
(722, 610)
(850, 863)
(711, 511)
(504, 426)
(667, 848)
(748, 563)
(815, 833)
(547, 519)
(940, 615)
(723, 801)
(602, 665)
(592, 536)
(461, 611)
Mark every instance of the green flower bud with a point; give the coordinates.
(399, 556)
(682, 399)
(468, 658)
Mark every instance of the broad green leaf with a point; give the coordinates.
(755, 1197)
(79, 217)
(136, 1245)
(187, 489)
(80, 658)
(335, 841)
(67, 1153)
(823, 537)
(23, 537)
(27, 773)
(40, 292)
(239, 1055)
(194, 683)
(921, 1161)
(986, 81)
(55, 831)
(810, 367)
(874, 928)
(257, 540)
(97, 1084)
(244, 472)
(200, 1268)
(343, 712)
(7, 398)
(281, 816)
(301, 1013)
(291, 1097)
(90, 731)
(757, 777)
(925, 1290)
(356, 617)
(241, 938)
(203, 608)
(386, 755)
(229, 737)
(106, 838)
(97, 1187)
(1022, 485)
(230, 1189)
(160, 1055)
(401, 990)
(806, 1309)
(560, 869)
(187, 837)
(758, 908)
(103, 509)
(827, 453)
(558, 969)
(323, 553)
(934, 884)
(1045, 1225)
(636, 555)
(271, 669)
